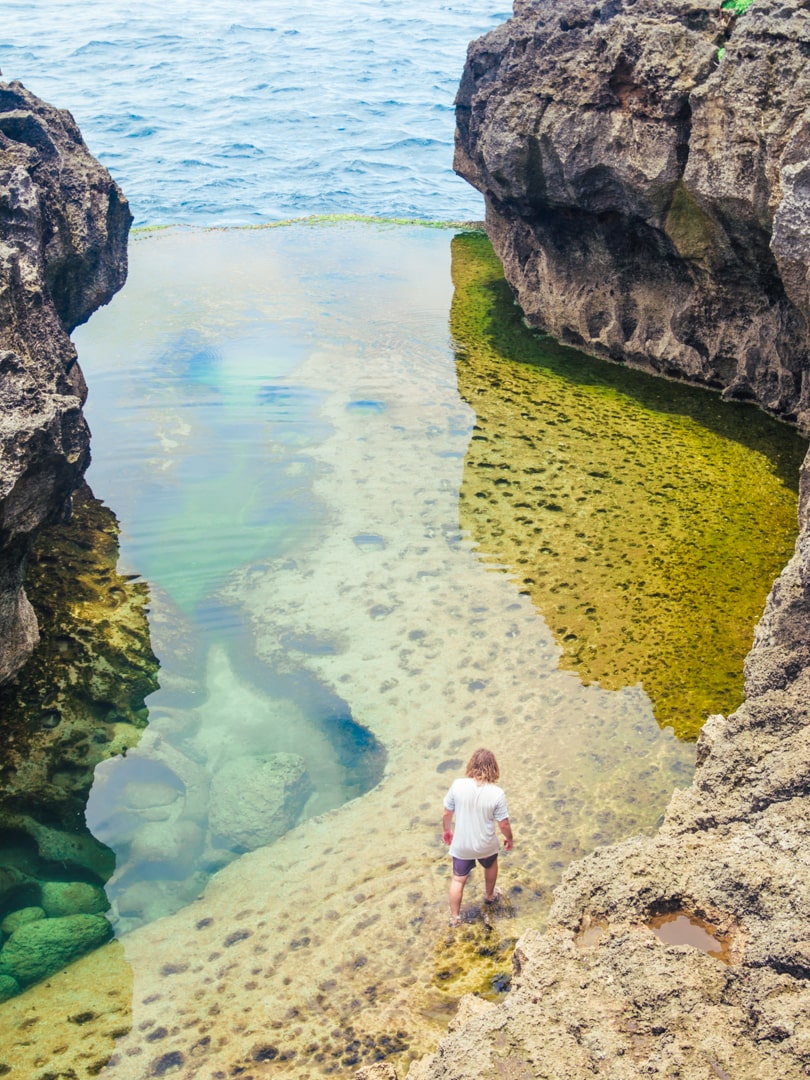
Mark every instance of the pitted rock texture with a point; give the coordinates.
(598, 993)
(63, 235)
(645, 172)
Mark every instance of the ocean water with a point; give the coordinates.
(235, 112)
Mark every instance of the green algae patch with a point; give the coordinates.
(79, 700)
(646, 520)
(476, 957)
(82, 696)
(144, 231)
(688, 227)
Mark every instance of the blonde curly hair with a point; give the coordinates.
(483, 766)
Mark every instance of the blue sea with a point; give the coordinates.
(229, 112)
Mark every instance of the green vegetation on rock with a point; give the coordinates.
(79, 699)
(38, 949)
(737, 6)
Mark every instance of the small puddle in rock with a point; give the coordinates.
(678, 928)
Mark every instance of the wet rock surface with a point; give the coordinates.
(644, 170)
(64, 226)
(588, 250)
(682, 195)
(79, 699)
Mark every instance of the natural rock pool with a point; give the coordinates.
(381, 523)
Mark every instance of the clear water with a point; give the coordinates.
(277, 419)
(278, 426)
(228, 111)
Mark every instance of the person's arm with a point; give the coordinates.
(447, 832)
(506, 829)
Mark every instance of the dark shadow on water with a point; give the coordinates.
(509, 335)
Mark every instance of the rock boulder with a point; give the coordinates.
(63, 233)
(254, 801)
(644, 167)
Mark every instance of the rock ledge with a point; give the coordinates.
(648, 199)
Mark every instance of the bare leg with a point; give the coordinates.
(456, 893)
(490, 877)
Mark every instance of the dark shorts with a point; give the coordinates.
(462, 867)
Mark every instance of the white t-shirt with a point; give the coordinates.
(477, 807)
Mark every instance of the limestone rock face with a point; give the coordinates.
(645, 172)
(648, 200)
(63, 233)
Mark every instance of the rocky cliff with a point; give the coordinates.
(63, 234)
(647, 186)
(645, 172)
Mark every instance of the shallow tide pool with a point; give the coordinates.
(316, 440)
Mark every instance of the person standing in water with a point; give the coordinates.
(478, 804)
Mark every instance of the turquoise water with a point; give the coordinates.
(241, 112)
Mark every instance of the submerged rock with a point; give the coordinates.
(15, 919)
(38, 949)
(73, 898)
(9, 987)
(644, 170)
(64, 225)
(644, 192)
(254, 801)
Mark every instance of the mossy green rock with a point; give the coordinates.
(9, 987)
(15, 919)
(40, 948)
(73, 898)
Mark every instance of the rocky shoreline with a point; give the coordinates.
(598, 991)
(642, 169)
(64, 224)
(80, 697)
(718, 297)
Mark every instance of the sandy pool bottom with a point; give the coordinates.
(330, 948)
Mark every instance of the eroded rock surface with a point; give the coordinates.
(63, 233)
(644, 167)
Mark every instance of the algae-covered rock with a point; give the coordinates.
(15, 919)
(73, 898)
(9, 987)
(255, 800)
(40, 948)
(645, 178)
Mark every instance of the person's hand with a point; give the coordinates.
(508, 843)
(447, 836)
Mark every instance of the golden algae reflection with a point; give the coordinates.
(646, 519)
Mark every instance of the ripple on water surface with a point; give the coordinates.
(240, 112)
